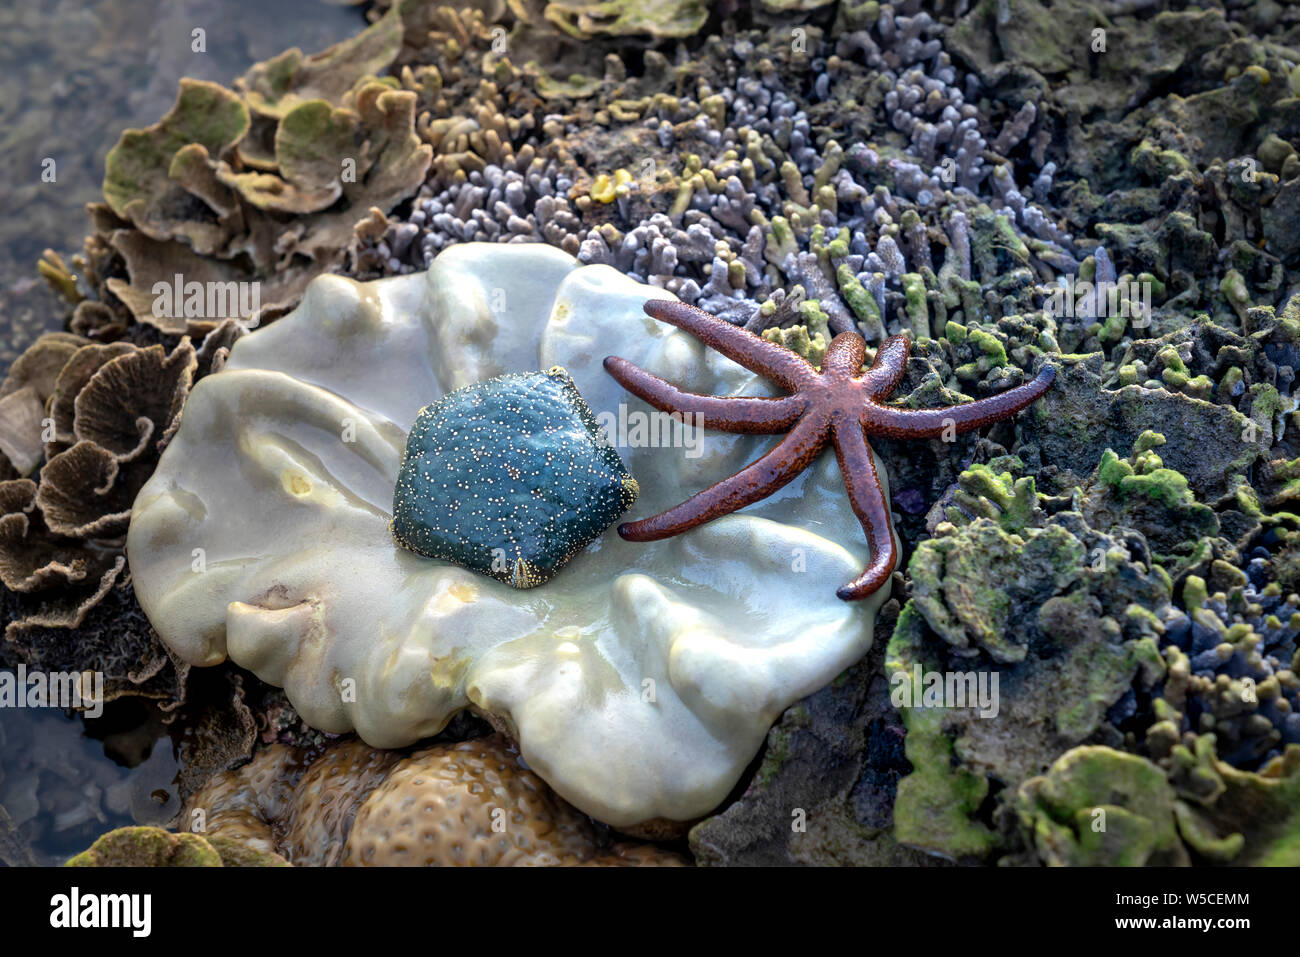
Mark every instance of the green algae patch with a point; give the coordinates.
(1056, 609)
(1141, 493)
(147, 847)
(797, 339)
(1078, 420)
(960, 583)
(156, 847)
(935, 806)
(1101, 807)
(983, 492)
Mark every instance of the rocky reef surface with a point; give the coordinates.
(1114, 187)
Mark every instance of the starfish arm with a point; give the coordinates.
(845, 355)
(755, 481)
(898, 423)
(891, 362)
(786, 368)
(866, 496)
(748, 414)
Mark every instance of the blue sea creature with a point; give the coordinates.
(510, 477)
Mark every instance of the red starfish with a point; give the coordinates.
(839, 404)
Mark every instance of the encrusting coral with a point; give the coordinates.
(282, 475)
(469, 804)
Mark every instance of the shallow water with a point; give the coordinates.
(75, 74)
(61, 788)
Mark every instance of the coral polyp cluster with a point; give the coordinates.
(471, 804)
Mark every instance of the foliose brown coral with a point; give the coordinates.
(101, 415)
(231, 203)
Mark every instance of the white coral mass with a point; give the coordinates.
(639, 682)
